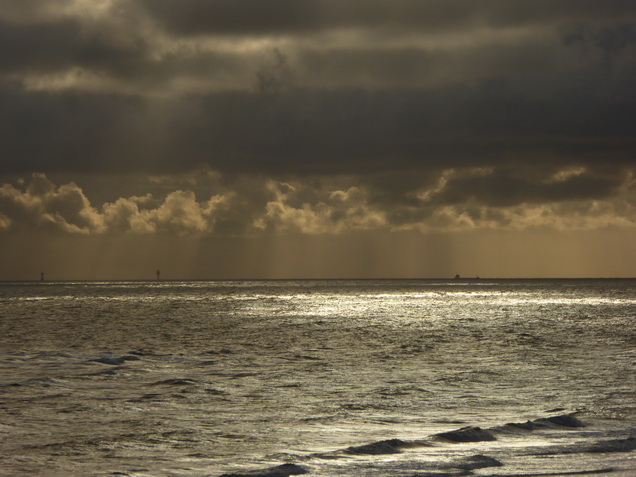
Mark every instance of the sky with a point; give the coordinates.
(317, 138)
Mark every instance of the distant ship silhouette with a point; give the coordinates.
(458, 277)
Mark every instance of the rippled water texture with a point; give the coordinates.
(206, 378)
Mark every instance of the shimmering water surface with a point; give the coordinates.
(329, 377)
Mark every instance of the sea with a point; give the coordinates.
(274, 378)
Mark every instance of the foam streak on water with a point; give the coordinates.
(326, 378)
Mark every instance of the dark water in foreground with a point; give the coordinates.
(331, 378)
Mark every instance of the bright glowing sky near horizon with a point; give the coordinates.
(317, 138)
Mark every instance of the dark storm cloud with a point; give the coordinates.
(502, 100)
(612, 40)
(506, 187)
(53, 40)
(70, 132)
(104, 50)
(309, 132)
(28, 11)
(290, 16)
(41, 46)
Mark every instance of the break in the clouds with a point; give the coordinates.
(318, 115)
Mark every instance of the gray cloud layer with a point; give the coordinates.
(509, 104)
(290, 16)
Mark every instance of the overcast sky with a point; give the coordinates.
(317, 138)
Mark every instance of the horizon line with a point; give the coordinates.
(217, 279)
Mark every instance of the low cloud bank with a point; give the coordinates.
(210, 204)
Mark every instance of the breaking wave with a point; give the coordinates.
(445, 442)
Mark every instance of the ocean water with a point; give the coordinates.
(318, 377)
